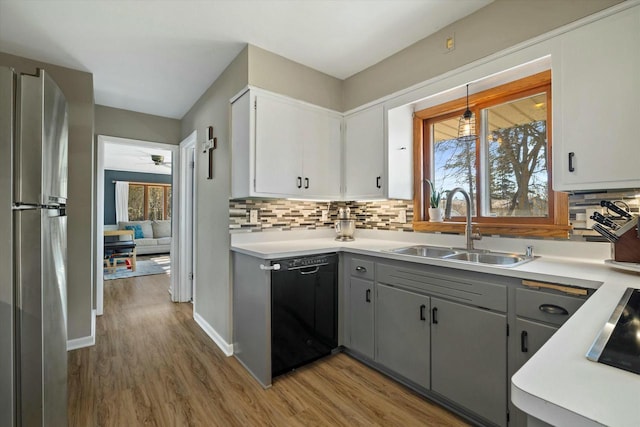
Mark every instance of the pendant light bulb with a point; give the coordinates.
(467, 123)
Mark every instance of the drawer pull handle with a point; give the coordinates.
(553, 309)
(571, 168)
(524, 345)
(422, 308)
(299, 182)
(434, 315)
(367, 295)
(378, 178)
(361, 269)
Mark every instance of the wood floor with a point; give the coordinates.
(152, 365)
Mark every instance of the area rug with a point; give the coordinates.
(144, 267)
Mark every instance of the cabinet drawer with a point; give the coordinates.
(452, 284)
(361, 268)
(545, 306)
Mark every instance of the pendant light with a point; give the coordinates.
(467, 123)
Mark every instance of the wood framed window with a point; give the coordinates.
(506, 170)
(149, 201)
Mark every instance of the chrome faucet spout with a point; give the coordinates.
(469, 236)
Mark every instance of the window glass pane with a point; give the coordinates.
(454, 163)
(169, 193)
(136, 202)
(156, 203)
(517, 157)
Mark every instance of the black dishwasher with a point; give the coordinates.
(304, 310)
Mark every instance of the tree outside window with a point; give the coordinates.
(506, 170)
(149, 202)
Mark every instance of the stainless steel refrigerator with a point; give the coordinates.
(33, 292)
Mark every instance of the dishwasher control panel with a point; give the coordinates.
(311, 261)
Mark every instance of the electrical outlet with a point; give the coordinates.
(253, 216)
(402, 216)
(325, 216)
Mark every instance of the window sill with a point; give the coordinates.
(526, 230)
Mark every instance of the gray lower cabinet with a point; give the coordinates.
(361, 312)
(403, 333)
(530, 337)
(538, 315)
(469, 358)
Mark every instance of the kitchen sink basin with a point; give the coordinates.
(473, 256)
(425, 251)
(505, 260)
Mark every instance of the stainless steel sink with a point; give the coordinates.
(475, 256)
(425, 251)
(505, 260)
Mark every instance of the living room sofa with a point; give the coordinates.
(156, 235)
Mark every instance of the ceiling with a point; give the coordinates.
(134, 158)
(158, 57)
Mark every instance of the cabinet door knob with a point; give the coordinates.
(524, 345)
(378, 178)
(306, 183)
(422, 308)
(361, 269)
(434, 315)
(571, 155)
(367, 295)
(299, 182)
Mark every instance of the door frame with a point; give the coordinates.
(99, 206)
(186, 215)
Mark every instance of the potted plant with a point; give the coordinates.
(435, 211)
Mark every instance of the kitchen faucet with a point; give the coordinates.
(447, 215)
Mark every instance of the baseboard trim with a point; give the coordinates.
(83, 342)
(226, 348)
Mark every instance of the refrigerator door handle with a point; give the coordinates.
(19, 206)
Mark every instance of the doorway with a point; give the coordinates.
(187, 219)
(153, 155)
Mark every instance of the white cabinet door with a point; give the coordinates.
(596, 92)
(400, 153)
(321, 159)
(278, 149)
(364, 154)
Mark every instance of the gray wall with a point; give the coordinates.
(495, 27)
(110, 188)
(281, 75)
(78, 89)
(131, 124)
(213, 286)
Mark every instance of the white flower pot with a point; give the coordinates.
(435, 214)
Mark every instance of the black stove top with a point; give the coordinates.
(618, 344)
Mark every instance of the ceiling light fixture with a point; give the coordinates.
(467, 123)
(157, 159)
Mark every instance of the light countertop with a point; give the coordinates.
(558, 384)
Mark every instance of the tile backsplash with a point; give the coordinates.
(581, 206)
(284, 214)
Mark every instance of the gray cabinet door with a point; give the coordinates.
(530, 336)
(361, 316)
(469, 358)
(402, 333)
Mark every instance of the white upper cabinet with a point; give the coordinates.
(596, 85)
(278, 149)
(364, 154)
(284, 148)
